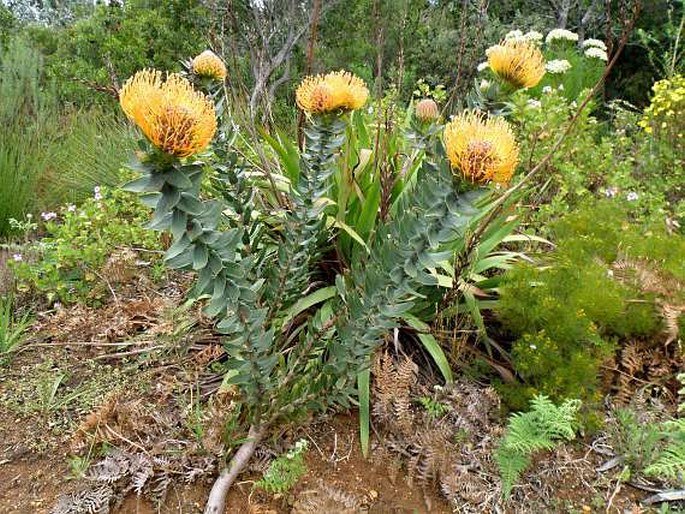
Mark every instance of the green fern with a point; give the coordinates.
(670, 463)
(527, 432)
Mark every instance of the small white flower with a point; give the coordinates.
(547, 90)
(558, 66)
(573, 104)
(533, 347)
(513, 34)
(535, 104)
(596, 53)
(97, 195)
(533, 35)
(561, 34)
(47, 216)
(611, 192)
(610, 273)
(71, 208)
(484, 65)
(484, 85)
(632, 196)
(561, 87)
(17, 257)
(596, 43)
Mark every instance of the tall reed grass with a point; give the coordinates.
(27, 122)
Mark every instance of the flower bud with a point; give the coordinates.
(427, 110)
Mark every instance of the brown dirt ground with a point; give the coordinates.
(38, 427)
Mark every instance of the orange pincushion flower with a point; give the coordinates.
(336, 91)
(176, 118)
(209, 65)
(482, 149)
(519, 63)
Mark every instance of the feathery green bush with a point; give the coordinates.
(568, 313)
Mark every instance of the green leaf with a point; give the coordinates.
(435, 350)
(363, 387)
(287, 153)
(177, 179)
(146, 184)
(318, 296)
(351, 232)
(179, 222)
(190, 204)
(177, 248)
(200, 256)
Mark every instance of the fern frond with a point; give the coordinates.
(670, 463)
(527, 432)
(511, 464)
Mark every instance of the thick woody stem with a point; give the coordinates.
(216, 503)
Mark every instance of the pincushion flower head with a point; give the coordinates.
(175, 117)
(518, 63)
(482, 149)
(209, 65)
(427, 110)
(334, 92)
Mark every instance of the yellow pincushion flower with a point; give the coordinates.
(482, 149)
(176, 118)
(336, 91)
(519, 63)
(209, 65)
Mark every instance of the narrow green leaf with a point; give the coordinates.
(351, 232)
(318, 296)
(435, 350)
(363, 387)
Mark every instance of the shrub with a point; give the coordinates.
(65, 264)
(613, 159)
(567, 314)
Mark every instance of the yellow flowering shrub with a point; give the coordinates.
(665, 113)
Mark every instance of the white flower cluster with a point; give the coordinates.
(484, 85)
(558, 66)
(594, 43)
(513, 34)
(517, 35)
(564, 34)
(596, 53)
(483, 66)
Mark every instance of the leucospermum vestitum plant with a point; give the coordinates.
(337, 91)
(293, 351)
(173, 116)
(482, 149)
(519, 64)
(209, 65)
